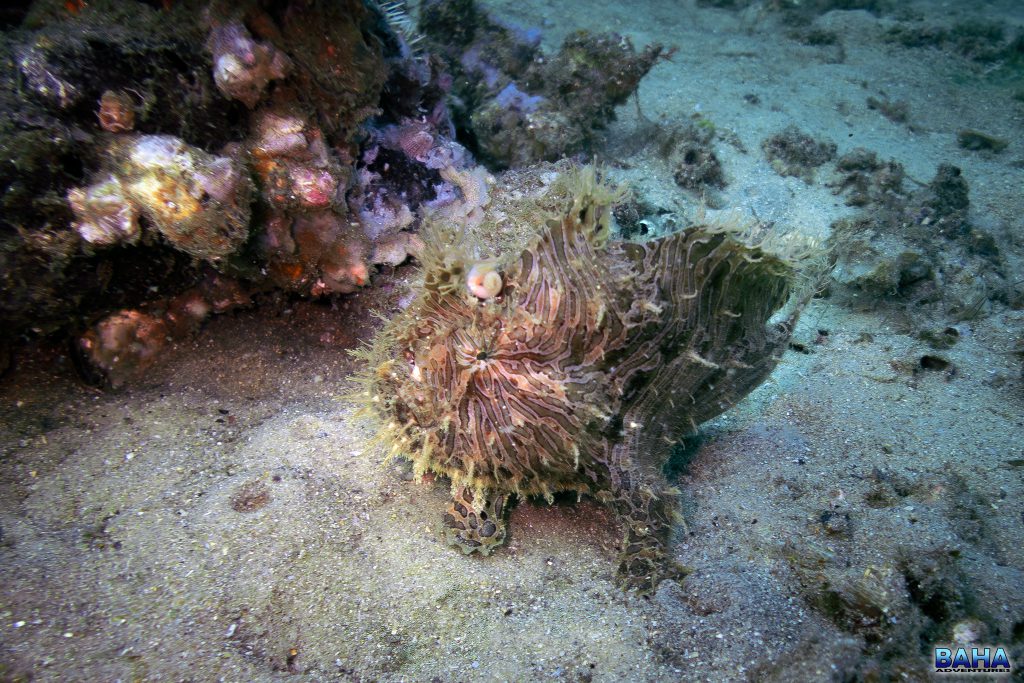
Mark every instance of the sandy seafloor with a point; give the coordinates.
(225, 519)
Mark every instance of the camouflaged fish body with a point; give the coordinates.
(577, 369)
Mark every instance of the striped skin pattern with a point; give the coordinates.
(592, 360)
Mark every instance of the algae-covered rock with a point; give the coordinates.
(690, 151)
(879, 267)
(914, 247)
(573, 364)
(979, 40)
(129, 132)
(948, 198)
(198, 202)
(67, 80)
(120, 347)
(104, 216)
(124, 344)
(242, 67)
(519, 105)
(867, 180)
(976, 140)
(792, 152)
(940, 339)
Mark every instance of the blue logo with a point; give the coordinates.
(975, 660)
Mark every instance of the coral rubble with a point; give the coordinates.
(571, 365)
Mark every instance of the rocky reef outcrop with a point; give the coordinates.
(284, 145)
